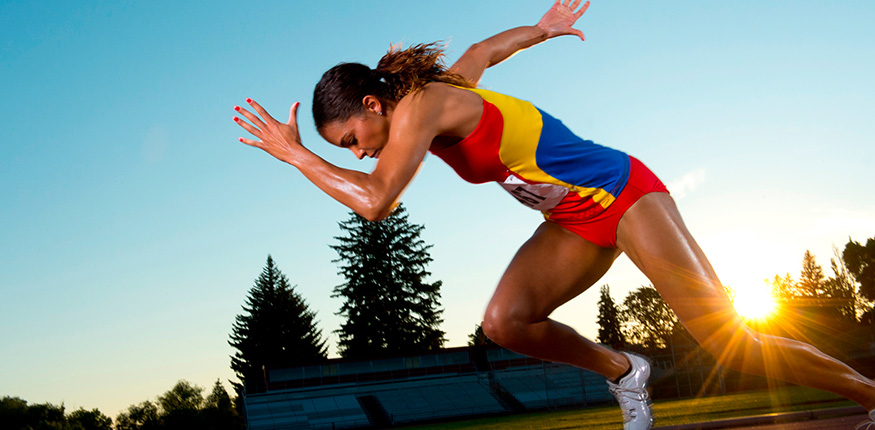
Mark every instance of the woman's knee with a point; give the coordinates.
(504, 325)
(741, 349)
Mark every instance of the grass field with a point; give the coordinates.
(667, 412)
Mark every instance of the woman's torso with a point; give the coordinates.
(532, 155)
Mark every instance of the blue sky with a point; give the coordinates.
(133, 222)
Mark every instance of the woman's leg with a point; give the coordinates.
(551, 268)
(654, 237)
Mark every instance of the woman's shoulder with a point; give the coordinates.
(449, 107)
(435, 97)
(436, 91)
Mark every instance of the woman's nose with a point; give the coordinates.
(359, 153)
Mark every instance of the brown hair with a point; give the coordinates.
(339, 93)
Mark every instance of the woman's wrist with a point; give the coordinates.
(544, 34)
(296, 155)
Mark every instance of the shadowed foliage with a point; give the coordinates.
(277, 329)
(388, 306)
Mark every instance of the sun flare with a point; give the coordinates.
(754, 303)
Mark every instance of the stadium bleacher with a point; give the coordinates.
(443, 385)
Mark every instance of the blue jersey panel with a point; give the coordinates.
(565, 156)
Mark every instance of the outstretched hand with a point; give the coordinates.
(558, 21)
(277, 139)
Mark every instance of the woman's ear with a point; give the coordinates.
(373, 105)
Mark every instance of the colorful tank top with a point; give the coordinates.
(537, 159)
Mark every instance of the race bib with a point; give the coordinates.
(542, 197)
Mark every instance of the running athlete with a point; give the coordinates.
(598, 202)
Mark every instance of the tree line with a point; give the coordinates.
(182, 407)
(813, 307)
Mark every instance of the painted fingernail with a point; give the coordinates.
(236, 107)
(236, 119)
(240, 139)
(248, 100)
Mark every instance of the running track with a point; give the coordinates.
(825, 419)
(842, 423)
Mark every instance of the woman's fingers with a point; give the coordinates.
(274, 137)
(293, 113)
(248, 127)
(250, 142)
(260, 110)
(579, 13)
(256, 121)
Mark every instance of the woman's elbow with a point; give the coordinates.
(478, 53)
(472, 63)
(376, 210)
(372, 216)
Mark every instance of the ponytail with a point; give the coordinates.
(407, 70)
(339, 93)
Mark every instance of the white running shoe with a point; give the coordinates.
(870, 423)
(631, 392)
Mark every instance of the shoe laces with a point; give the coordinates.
(865, 425)
(628, 395)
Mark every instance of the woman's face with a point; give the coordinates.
(364, 134)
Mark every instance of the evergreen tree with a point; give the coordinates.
(811, 280)
(219, 412)
(821, 297)
(277, 329)
(784, 287)
(388, 306)
(610, 325)
(478, 338)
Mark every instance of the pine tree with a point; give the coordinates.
(812, 282)
(610, 332)
(388, 306)
(478, 338)
(784, 287)
(829, 299)
(277, 329)
(219, 412)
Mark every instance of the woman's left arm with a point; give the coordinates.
(558, 21)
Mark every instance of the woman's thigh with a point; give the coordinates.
(551, 268)
(655, 238)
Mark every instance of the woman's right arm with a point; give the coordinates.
(371, 195)
(558, 21)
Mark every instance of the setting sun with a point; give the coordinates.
(754, 303)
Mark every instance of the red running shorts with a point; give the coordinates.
(601, 228)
